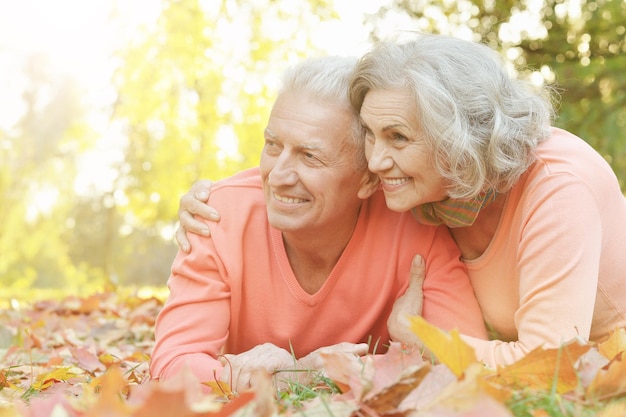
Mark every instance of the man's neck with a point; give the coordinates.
(313, 256)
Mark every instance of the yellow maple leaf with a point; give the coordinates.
(449, 348)
(48, 379)
(220, 389)
(615, 344)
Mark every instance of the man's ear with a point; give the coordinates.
(369, 185)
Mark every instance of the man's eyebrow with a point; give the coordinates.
(269, 133)
(311, 147)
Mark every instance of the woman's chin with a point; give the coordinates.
(398, 206)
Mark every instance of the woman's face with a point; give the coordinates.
(397, 152)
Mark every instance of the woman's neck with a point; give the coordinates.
(474, 240)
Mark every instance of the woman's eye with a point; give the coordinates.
(398, 138)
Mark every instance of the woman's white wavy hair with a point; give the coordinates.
(481, 124)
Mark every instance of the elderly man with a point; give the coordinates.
(307, 255)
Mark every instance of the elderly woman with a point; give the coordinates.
(538, 215)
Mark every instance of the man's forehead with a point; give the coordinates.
(311, 143)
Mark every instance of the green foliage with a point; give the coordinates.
(36, 179)
(193, 94)
(530, 403)
(196, 84)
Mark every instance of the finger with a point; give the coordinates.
(226, 359)
(201, 189)
(359, 349)
(417, 273)
(196, 204)
(181, 239)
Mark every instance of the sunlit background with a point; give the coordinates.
(110, 109)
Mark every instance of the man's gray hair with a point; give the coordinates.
(327, 79)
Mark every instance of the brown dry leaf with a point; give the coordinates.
(348, 372)
(390, 367)
(395, 375)
(615, 344)
(378, 383)
(389, 399)
(449, 348)
(610, 381)
(439, 377)
(538, 369)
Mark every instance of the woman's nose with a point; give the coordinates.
(378, 158)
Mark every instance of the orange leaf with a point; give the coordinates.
(610, 381)
(449, 348)
(543, 368)
(109, 401)
(615, 344)
(4, 383)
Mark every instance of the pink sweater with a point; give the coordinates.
(556, 267)
(236, 289)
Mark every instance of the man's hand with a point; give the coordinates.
(409, 304)
(280, 364)
(243, 366)
(194, 203)
(314, 360)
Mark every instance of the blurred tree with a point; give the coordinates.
(36, 178)
(580, 46)
(195, 93)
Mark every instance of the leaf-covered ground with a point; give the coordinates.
(89, 357)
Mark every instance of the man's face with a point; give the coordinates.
(308, 166)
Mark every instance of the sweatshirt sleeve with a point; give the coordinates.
(558, 262)
(449, 300)
(193, 325)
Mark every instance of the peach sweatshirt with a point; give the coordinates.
(236, 289)
(556, 267)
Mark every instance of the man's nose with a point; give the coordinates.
(283, 172)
